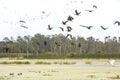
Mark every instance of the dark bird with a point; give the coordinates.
(61, 28)
(45, 43)
(69, 35)
(89, 10)
(117, 22)
(43, 12)
(50, 28)
(19, 74)
(11, 73)
(22, 21)
(70, 18)
(103, 28)
(95, 6)
(88, 27)
(64, 22)
(69, 28)
(79, 45)
(24, 27)
(77, 13)
(72, 43)
(57, 44)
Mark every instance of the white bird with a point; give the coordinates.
(111, 62)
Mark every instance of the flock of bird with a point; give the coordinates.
(77, 13)
(70, 19)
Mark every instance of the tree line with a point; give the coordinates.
(58, 43)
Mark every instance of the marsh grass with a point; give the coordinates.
(47, 74)
(91, 76)
(88, 62)
(65, 62)
(41, 62)
(5, 78)
(115, 77)
(15, 62)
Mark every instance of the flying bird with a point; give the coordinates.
(64, 22)
(72, 43)
(95, 6)
(50, 28)
(111, 62)
(69, 28)
(77, 13)
(117, 22)
(88, 27)
(45, 43)
(69, 35)
(89, 10)
(22, 21)
(57, 44)
(61, 28)
(103, 28)
(70, 18)
(79, 45)
(24, 27)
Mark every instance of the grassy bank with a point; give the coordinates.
(50, 55)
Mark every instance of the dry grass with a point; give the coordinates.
(59, 72)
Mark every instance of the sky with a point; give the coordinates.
(37, 14)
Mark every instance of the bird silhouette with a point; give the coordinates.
(50, 28)
(57, 44)
(22, 21)
(70, 18)
(69, 35)
(103, 28)
(64, 22)
(77, 13)
(95, 6)
(61, 28)
(89, 10)
(72, 43)
(24, 26)
(19, 74)
(117, 22)
(79, 45)
(88, 27)
(11, 73)
(69, 28)
(45, 43)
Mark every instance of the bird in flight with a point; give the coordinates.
(61, 28)
(117, 22)
(72, 43)
(111, 62)
(69, 28)
(89, 10)
(24, 27)
(79, 45)
(88, 27)
(22, 21)
(64, 22)
(77, 13)
(103, 28)
(45, 43)
(57, 44)
(95, 6)
(50, 28)
(70, 18)
(69, 35)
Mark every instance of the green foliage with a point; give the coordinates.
(15, 62)
(41, 62)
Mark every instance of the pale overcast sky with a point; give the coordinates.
(39, 13)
